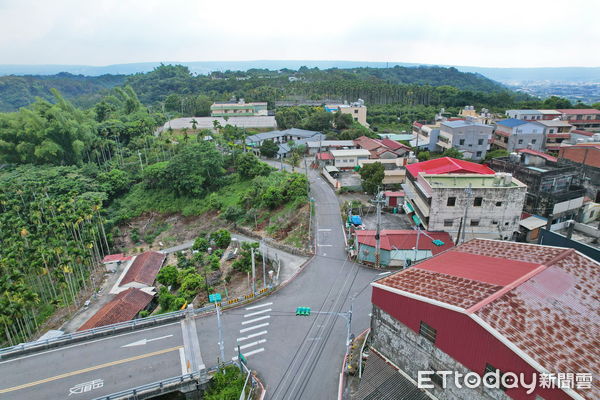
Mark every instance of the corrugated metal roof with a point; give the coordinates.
(447, 165)
(512, 122)
(406, 240)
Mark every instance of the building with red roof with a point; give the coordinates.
(143, 270)
(488, 306)
(112, 261)
(447, 165)
(399, 247)
(534, 153)
(381, 148)
(437, 195)
(125, 306)
(585, 119)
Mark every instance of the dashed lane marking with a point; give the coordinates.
(254, 327)
(241, 339)
(258, 312)
(258, 306)
(251, 344)
(251, 321)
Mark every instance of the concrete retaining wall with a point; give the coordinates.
(588, 230)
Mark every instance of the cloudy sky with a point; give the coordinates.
(506, 33)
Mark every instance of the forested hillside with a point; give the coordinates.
(376, 85)
(19, 91)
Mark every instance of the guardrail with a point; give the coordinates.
(160, 386)
(30, 347)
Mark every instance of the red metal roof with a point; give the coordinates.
(542, 299)
(406, 240)
(559, 135)
(447, 165)
(575, 111)
(394, 194)
(417, 124)
(325, 156)
(115, 257)
(392, 144)
(455, 119)
(582, 132)
(539, 154)
(367, 143)
(144, 268)
(124, 307)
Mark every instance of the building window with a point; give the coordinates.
(448, 222)
(355, 111)
(498, 203)
(494, 222)
(461, 142)
(478, 154)
(477, 201)
(427, 332)
(451, 201)
(520, 141)
(551, 130)
(474, 222)
(480, 142)
(533, 141)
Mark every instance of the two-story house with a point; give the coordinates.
(513, 134)
(470, 138)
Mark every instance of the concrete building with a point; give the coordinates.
(584, 119)
(394, 169)
(484, 117)
(426, 135)
(348, 159)
(315, 147)
(357, 110)
(382, 148)
(470, 138)
(294, 134)
(512, 134)
(113, 261)
(444, 192)
(555, 131)
(552, 189)
(533, 115)
(495, 307)
(399, 248)
(238, 109)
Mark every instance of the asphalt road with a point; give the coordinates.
(297, 357)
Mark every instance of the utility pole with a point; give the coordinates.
(264, 274)
(221, 344)
(253, 271)
(140, 158)
(378, 202)
(417, 244)
(469, 193)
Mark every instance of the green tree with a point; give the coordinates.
(453, 153)
(495, 154)
(249, 166)
(201, 244)
(168, 275)
(372, 177)
(268, 148)
(222, 238)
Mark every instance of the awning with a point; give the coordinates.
(416, 219)
(408, 208)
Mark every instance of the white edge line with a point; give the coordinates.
(257, 313)
(182, 360)
(251, 336)
(86, 342)
(254, 327)
(251, 321)
(259, 306)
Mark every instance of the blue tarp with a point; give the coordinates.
(356, 220)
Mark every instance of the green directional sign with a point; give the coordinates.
(303, 311)
(214, 298)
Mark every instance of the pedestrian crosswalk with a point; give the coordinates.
(253, 330)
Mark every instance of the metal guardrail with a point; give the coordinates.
(121, 326)
(202, 376)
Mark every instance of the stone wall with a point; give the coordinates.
(272, 243)
(413, 353)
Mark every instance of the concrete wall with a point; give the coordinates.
(471, 134)
(506, 215)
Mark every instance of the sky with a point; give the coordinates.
(507, 33)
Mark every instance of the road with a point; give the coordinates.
(297, 357)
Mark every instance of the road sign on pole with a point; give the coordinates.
(214, 298)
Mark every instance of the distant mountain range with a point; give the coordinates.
(513, 76)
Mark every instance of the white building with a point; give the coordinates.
(348, 159)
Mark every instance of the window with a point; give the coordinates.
(533, 141)
(461, 142)
(480, 142)
(498, 203)
(478, 154)
(477, 201)
(520, 141)
(355, 111)
(474, 222)
(427, 332)
(506, 224)
(451, 201)
(448, 222)
(494, 222)
(551, 131)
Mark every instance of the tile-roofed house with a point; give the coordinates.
(123, 307)
(522, 307)
(447, 165)
(582, 132)
(110, 258)
(144, 269)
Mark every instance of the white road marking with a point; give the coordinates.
(111, 337)
(259, 306)
(251, 321)
(251, 344)
(325, 230)
(144, 341)
(324, 245)
(182, 361)
(254, 327)
(241, 339)
(86, 387)
(257, 313)
(249, 353)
